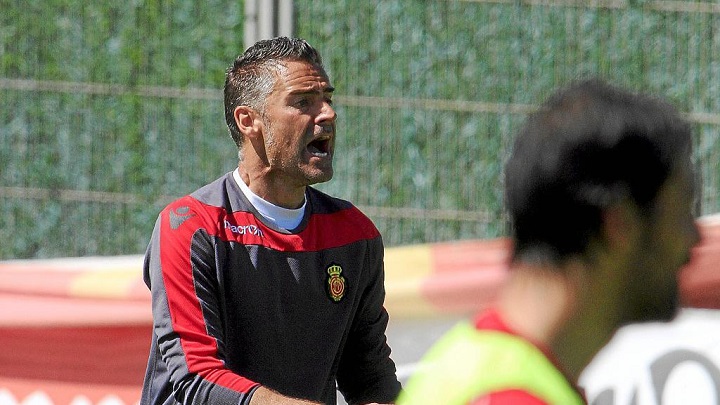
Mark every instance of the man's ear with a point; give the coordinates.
(621, 224)
(248, 121)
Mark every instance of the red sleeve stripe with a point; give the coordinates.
(187, 318)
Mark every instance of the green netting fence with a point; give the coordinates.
(109, 111)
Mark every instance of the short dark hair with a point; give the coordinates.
(591, 145)
(251, 77)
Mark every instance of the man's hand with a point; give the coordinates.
(266, 396)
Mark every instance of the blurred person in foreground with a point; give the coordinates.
(599, 188)
(264, 289)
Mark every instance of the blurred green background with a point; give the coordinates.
(108, 110)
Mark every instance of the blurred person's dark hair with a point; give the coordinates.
(589, 146)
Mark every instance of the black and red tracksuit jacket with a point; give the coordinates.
(239, 303)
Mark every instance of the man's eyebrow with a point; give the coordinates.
(310, 90)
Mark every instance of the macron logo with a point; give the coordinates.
(179, 215)
(243, 229)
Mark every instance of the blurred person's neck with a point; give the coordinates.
(543, 304)
(595, 317)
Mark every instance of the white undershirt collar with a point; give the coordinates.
(281, 217)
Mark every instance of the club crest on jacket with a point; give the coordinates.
(335, 283)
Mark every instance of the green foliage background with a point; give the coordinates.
(109, 110)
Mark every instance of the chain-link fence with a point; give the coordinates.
(109, 110)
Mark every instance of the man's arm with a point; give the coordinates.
(265, 396)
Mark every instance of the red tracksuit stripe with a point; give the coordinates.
(319, 234)
(199, 347)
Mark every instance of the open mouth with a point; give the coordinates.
(319, 147)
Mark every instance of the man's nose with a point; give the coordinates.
(327, 113)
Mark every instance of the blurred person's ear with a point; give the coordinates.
(621, 226)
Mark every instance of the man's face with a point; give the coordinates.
(299, 126)
(663, 248)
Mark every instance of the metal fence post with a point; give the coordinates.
(266, 19)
